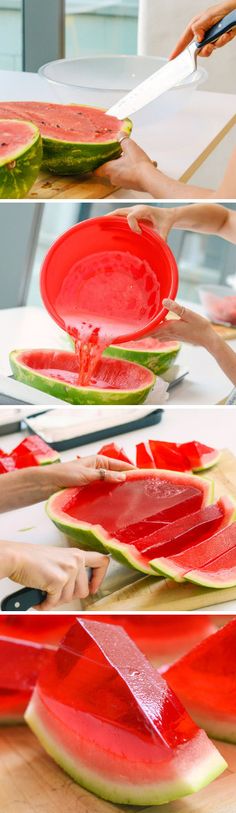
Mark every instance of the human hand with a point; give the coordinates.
(60, 572)
(199, 25)
(130, 170)
(161, 220)
(85, 470)
(189, 327)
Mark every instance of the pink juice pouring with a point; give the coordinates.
(104, 296)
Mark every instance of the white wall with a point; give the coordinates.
(160, 24)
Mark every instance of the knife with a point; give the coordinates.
(171, 74)
(22, 600)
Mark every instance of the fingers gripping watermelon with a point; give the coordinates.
(20, 157)
(76, 139)
(109, 719)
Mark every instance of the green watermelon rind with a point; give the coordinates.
(214, 582)
(165, 566)
(95, 537)
(158, 361)
(17, 182)
(211, 765)
(80, 158)
(77, 395)
(213, 462)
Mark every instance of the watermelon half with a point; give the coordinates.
(205, 681)
(151, 353)
(110, 720)
(76, 139)
(195, 540)
(101, 516)
(20, 157)
(56, 373)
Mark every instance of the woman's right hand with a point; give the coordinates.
(160, 219)
(60, 572)
(199, 25)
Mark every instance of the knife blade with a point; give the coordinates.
(171, 74)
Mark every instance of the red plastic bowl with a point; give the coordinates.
(105, 234)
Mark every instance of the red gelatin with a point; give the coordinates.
(13, 706)
(20, 663)
(198, 455)
(168, 456)
(112, 450)
(144, 458)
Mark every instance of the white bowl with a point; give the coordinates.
(101, 81)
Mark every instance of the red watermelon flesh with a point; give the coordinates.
(205, 681)
(199, 544)
(144, 458)
(107, 717)
(113, 451)
(75, 123)
(168, 456)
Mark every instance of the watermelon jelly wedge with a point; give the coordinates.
(103, 513)
(56, 372)
(164, 541)
(199, 456)
(151, 353)
(220, 571)
(110, 720)
(205, 681)
(195, 540)
(76, 139)
(20, 157)
(113, 451)
(33, 451)
(144, 458)
(20, 663)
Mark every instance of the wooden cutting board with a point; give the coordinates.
(49, 186)
(148, 593)
(30, 782)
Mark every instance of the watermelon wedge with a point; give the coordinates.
(113, 451)
(205, 681)
(144, 458)
(76, 139)
(199, 456)
(56, 372)
(34, 628)
(196, 544)
(109, 719)
(20, 157)
(151, 353)
(221, 571)
(33, 451)
(94, 517)
(168, 456)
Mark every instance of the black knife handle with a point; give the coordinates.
(22, 600)
(226, 24)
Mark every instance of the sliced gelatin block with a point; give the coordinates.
(198, 543)
(92, 516)
(219, 572)
(13, 706)
(205, 681)
(112, 450)
(38, 629)
(168, 456)
(144, 458)
(35, 450)
(107, 717)
(57, 373)
(20, 663)
(200, 457)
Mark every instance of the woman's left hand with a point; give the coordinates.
(130, 169)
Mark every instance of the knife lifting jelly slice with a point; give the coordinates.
(92, 516)
(205, 681)
(110, 720)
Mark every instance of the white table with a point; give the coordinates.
(32, 327)
(179, 130)
(31, 524)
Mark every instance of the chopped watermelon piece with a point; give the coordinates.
(33, 451)
(199, 456)
(205, 681)
(220, 571)
(168, 456)
(198, 544)
(144, 458)
(109, 719)
(112, 450)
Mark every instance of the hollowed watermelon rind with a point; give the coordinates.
(158, 361)
(77, 395)
(194, 775)
(19, 172)
(95, 537)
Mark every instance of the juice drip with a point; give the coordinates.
(89, 346)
